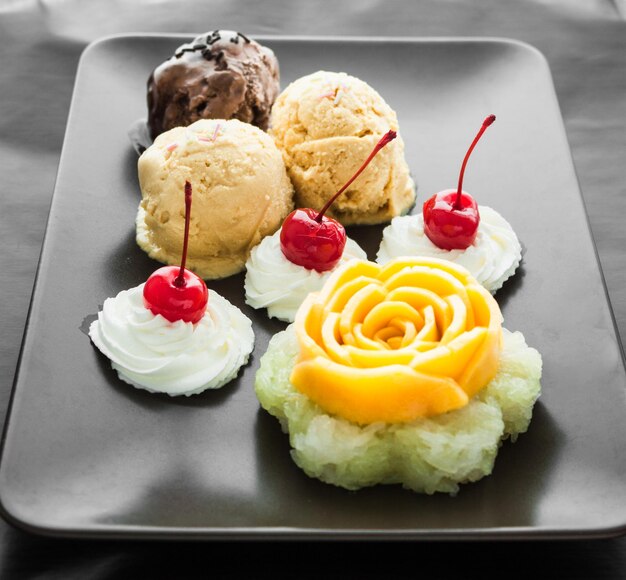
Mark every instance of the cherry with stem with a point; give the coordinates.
(173, 291)
(451, 216)
(311, 239)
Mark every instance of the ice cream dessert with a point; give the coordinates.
(284, 268)
(173, 335)
(177, 358)
(399, 374)
(492, 258)
(452, 226)
(274, 282)
(324, 124)
(241, 194)
(219, 75)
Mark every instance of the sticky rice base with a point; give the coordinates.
(429, 455)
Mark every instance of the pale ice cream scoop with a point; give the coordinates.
(325, 124)
(222, 74)
(241, 194)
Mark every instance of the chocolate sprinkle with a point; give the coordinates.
(220, 62)
(184, 50)
(211, 39)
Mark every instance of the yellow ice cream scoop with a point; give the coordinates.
(325, 124)
(241, 194)
(414, 338)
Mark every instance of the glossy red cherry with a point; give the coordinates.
(448, 224)
(310, 239)
(451, 217)
(311, 244)
(162, 295)
(175, 292)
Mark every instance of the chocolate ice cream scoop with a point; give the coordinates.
(219, 75)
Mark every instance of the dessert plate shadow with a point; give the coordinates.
(86, 456)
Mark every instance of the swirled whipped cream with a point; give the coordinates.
(177, 358)
(275, 283)
(491, 259)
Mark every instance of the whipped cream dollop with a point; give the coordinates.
(177, 358)
(491, 259)
(275, 283)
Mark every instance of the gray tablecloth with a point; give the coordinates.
(40, 44)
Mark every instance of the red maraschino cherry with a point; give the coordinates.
(314, 241)
(175, 292)
(451, 217)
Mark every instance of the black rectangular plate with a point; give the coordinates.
(86, 455)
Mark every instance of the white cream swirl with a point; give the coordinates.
(275, 283)
(491, 259)
(177, 358)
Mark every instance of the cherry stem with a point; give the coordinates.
(490, 119)
(180, 281)
(386, 138)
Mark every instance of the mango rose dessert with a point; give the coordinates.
(242, 194)
(324, 124)
(399, 373)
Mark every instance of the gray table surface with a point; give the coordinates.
(40, 44)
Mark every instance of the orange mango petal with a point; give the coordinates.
(389, 394)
